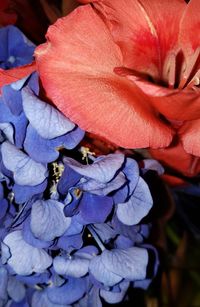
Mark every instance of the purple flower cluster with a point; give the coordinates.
(71, 233)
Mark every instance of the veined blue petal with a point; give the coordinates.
(46, 120)
(48, 220)
(103, 273)
(40, 299)
(101, 188)
(16, 289)
(69, 293)
(103, 169)
(113, 266)
(131, 170)
(25, 259)
(25, 170)
(40, 149)
(138, 205)
(12, 99)
(24, 192)
(74, 266)
(94, 208)
(30, 238)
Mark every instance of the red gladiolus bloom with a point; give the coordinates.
(128, 71)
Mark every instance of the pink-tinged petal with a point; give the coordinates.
(177, 159)
(145, 30)
(174, 104)
(178, 104)
(190, 137)
(174, 181)
(76, 69)
(14, 74)
(189, 36)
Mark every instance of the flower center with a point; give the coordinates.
(178, 72)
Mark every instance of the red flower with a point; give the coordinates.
(128, 71)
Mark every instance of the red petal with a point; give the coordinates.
(76, 68)
(190, 136)
(178, 104)
(189, 27)
(176, 158)
(14, 74)
(174, 181)
(145, 30)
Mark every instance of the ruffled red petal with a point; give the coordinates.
(189, 36)
(176, 158)
(76, 68)
(190, 136)
(14, 74)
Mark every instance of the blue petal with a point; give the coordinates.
(121, 195)
(31, 260)
(40, 299)
(12, 99)
(3, 207)
(151, 164)
(1, 191)
(3, 283)
(68, 179)
(74, 266)
(33, 83)
(113, 266)
(94, 208)
(16, 289)
(46, 120)
(16, 50)
(25, 170)
(69, 293)
(73, 138)
(72, 202)
(103, 273)
(70, 242)
(138, 205)
(8, 131)
(131, 170)
(112, 297)
(38, 148)
(91, 299)
(101, 188)
(25, 192)
(35, 278)
(123, 242)
(104, 231)
(103, 169)
(132, 232)
(45, 150)
(48, 220)
(19, 122)
(74, 228)
(29, 237)
(17, 85)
